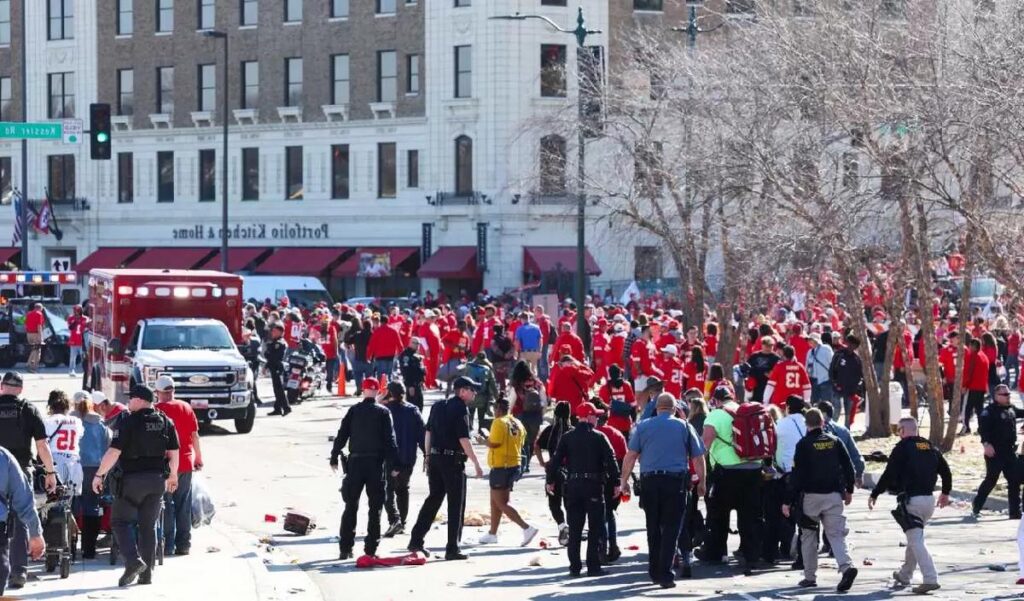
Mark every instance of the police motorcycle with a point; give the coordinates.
(307, 369)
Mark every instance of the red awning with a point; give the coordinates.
(301, 261)
(171, 258)
(238, 258)
(544, 259)
(349, 268)
(7, 254)
(106, 258)
(451, 262)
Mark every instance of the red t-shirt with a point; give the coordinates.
(947, 359)
(976, 371)
(790, 378)
(672, 368)
(76, 328)
(624, 393)
(33, 321)
(695, 378)
(185, 424)
(617, 440)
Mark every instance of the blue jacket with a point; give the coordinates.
(409, 430)
(16, 493)
(846, 438)
(95, 440)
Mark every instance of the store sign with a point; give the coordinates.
(427, 248)
(481, 247)
(253, 231)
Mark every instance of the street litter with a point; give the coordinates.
(535, 561)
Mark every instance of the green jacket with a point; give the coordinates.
(482, 372)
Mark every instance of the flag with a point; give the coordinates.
(19, 224)
(41, 223)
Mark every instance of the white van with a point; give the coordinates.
(300, 290)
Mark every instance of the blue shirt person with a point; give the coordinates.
(16, 497)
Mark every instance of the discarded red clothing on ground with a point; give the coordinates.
(412, 559)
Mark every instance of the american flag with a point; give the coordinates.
(19, 220)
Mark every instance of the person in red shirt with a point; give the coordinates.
(178, 505)
(571, 382)
(294, 327)
(617, 395)
(692, 341)
(34, 321)
(670, 365)
(901, 365)
(695, 371)
(1012, 352)
(77, 324)
(947, 362)
(484, 333)
(975, 382)
(329, 343)
(569, 338)
(799, 342)
(599, 345)
(787, 378)
(616, 347)
(385, 344)
(711, 341)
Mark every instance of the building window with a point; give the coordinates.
(207, 87)
(463, 166)
(249, 12)
(412, 74)
(165, 176)
(387, 170)
(293, 81)
(552, 3)
(250, 84)
(386, 7)
(340, 76)
(62, 177)
(293, 172)
(646, 5)
(292, 11)
(62, 19)
(339, 9)
(125, 17)
(165, 90)
(250, 174)
(207, 175)
(339, 171)
(462, 3)
(125, 92)
(647, 263)
(412, 169)
(552, 165)
(6, 102)
(463, 71)
(164, 16)
(125, 178)
(206, 16)
(387, 76)
(552, 70)
(5, 22)
(5, 176)
(62, 95)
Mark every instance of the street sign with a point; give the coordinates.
(60, 264)
(72, 130)
(47, 130)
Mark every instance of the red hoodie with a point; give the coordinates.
(575, 344)
(385, 341)
(571, 383)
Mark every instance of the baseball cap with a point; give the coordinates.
(670, 349)
(141, 392)
(585, 410)
(815, 337)
(464, 382)
(370, 384)
(98, 397)
(12, 378)
(164, 383)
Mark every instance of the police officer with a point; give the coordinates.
(368, 431)
(913, 468)
(21, 426)
(274, 354)
(410, 364)
(821, 482)
(997, 426)
(447, 447)
(146, 445)
(664, 445)
(19, 500)
(589, 462)
(409, 430)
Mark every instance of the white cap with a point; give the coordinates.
(98, 397)
(163, 383)
(670, 349)
(618, 328)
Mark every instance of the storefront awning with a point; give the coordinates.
(238, 258)
(301, 261)
(7, 254)
(545, 259)
(349, 268)
(451, 262)
(106, 258)
(171, 258)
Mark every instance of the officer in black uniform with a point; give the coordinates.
(21, 427)
(146, 445)
(410, 364)
(370, 435)
(447, 448)
(274, 354)
(590, 463)
(997, 426)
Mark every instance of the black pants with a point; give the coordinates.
(280, 396)
(396, 495)
(611, 503)
(446, 477)
(664, 500)
(368, 473)
(1005, 463)
(255, 367)
(779, 530)
(414, 394)
(975, 403)
(739, 490)
(138, 504)
(5, 557)
(555, 500)
(584, 502)
(693, 526)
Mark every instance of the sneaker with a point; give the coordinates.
(597, 573)
(805, 583)
(131, 572)
(17, 581)
(927, 587)
(847, 580)
(529, 533)
(899, 579)
(455, 556)
(395, 528)
(182, 551)
(488, 539)
(344, 555)
(613, 554)
(563, 534)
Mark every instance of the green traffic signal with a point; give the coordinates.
(102, 137)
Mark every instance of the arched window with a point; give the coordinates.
(463, 166)
(552, 165)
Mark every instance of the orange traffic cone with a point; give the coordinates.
(341, 380)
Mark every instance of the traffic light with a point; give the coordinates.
(99, 132)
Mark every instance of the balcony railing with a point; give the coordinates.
(473, 197)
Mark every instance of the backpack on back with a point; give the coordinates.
(533, 403)
(753, 432)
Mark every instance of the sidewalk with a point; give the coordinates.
(223, 566)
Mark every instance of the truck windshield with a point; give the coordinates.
(166, 337)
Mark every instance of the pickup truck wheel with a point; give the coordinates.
(7, 359)
(50, 356)
(244, 425)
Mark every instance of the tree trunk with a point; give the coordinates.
(936, 414)
(964, 314)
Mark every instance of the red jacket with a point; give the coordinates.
(456, 344)
(947, 360)
(385, 342)
(616, 346)
(898, 363)
(976, 371)
(575, 344)
(484, 334)
(329, 341)
(672, 367)
(571, 383)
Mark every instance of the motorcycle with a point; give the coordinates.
(306, 372)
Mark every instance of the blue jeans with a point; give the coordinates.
(542, 368)
(1012, 370)
(384, 367)
(822, 391)
(333, 366)
(360, 370)
(178, 515)
(73, 359)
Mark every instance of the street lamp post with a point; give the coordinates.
(224, 158)
(580, 32)
(692, 27)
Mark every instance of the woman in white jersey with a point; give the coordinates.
(64, 435)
